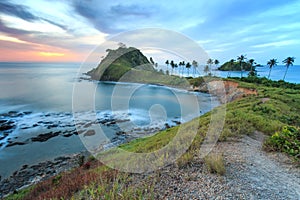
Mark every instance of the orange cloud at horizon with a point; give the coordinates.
(11, 55)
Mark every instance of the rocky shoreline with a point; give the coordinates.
(29, 175)
(47, 129)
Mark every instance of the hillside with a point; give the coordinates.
(118, 62)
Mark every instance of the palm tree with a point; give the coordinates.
(172, 65)
(179, 65)
(241, 59)
(231, 62)
(195, 65)
(252, 72)
(216, 63)
(188, 66)
(210, 62)
(176, 66)
(271, 63)
(206, 69)
(167, 63)
(288, 62)
(183, 66)
(251, 62)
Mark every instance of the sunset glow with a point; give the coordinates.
(51, 54)
(40, 29)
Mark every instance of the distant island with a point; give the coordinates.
(236, 66)
(128, 64)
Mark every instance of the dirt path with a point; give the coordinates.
(258, 174)
(250, 174)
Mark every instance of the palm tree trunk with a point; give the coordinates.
(241, 70)
(269, 73)
(285, 72)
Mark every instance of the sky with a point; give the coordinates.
(68, 31)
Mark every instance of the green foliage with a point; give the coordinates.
(268, 83)
(215, 163)
(235, 66)
(287, 140)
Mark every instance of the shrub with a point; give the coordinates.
(215, 163)
(287, 140)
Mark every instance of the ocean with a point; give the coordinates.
(277, 73)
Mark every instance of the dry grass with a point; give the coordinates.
(215, 163)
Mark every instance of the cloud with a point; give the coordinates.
(114, 18)
(16, 10)
(277, 44)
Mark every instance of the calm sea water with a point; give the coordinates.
(277, 73)
(44, 92)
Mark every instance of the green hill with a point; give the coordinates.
(130, 65)
(118, 62)
(235, 66)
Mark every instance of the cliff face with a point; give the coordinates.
(118, 62)
(226, 91)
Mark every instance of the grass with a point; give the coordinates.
(215, 163)
(269, 111)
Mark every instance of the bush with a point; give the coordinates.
(287, 140)
(215, 163)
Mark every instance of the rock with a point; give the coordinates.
(27, 112)
(120, 133)
(167, 125)
(89, 133)
(6, 126)
(52, 126)
(15, 143)
(68, 135)
(176, 122)
(45, 137)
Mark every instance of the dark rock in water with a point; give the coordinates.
(3, 121)
(35, 125)
(122, 120)
(27, 112)
(176, 122)
(52, 126)
(26, 127)
(68, 135)
(89, 133)
(121, 133)
(6, 126)
(24, 167)
(167, 125)
(13, 114)
(45, 137)
(15, 144)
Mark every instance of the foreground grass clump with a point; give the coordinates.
(97, 182)
(287, 140)
(215, 163)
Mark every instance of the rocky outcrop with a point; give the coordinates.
(226, 91)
